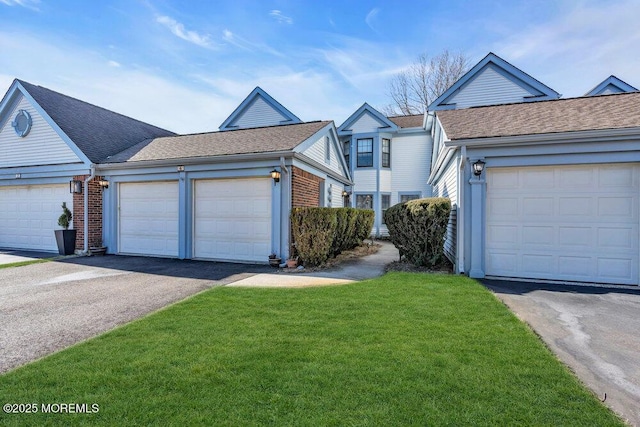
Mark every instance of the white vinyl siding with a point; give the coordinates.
(573, 223)
(490, 87)
(447, 186)
(148, 218)
(232, 219)
(257, 114)
(29, 215)
(42, 146)
(365, 180)
(385, 181)
(410, 165)
(317, 152)
(365, 124)
(337, 188)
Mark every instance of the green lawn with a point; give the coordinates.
(404, 349)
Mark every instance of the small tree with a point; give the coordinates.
(411, 91)
(65, 219)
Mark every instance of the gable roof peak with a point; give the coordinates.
(543, 92)
(95, 131)
(258, 92)
(366, 108)
(614, 83)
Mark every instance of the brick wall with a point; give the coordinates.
(95, 212)
(305, 188)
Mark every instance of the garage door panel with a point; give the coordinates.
(576, 206)
(578, 179)
(538, 206)
(148, 218)
(616, 268)
(538, 235)
(232, 219)
(30, 214)
(575, 266)
(579, 223)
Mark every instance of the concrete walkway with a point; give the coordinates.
(350, 271)
(10, 256)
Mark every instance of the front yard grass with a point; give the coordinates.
(404, 349)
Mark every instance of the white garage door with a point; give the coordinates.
(29, 214)
(574, 223)
(148, 219)
(232, 219)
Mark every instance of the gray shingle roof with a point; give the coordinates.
(412, 121)
(562, 115)
(98, 133)
(222, 143)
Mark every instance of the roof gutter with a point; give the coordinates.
(195, 160)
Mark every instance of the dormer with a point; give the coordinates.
(259, 109)
(366, 119)
(610, 85)
(492, 81)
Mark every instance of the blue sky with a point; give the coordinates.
(185, 65)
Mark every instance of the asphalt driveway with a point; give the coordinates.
(595, 331)
(47, 307)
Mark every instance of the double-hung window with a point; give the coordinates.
(386, 153)
(406, 197)
(365, 153)
(364, 201)
(385, 201)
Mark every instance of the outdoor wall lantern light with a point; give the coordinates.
(103, 183)
(75, 187)
(276, 176)
(345, 193)
(478, 167)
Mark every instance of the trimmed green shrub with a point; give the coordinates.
(345, 230)
(313, 233)
(364, 225)
(320, 233)
(418, 228)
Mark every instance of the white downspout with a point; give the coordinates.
(86, 208)
(460, 234)
(283, 166)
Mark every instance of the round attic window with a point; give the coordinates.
(22, 123)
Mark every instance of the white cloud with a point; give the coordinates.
(282, 19)
(114, 64)
(179, 30)
(29, 4)
(139, 93)
(580, 47)
(245, 44)
(371, 16)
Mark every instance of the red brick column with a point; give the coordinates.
(305, 188)
(95, 212)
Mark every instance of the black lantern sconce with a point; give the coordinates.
(75, 187)
(478, 167)
(275, 175)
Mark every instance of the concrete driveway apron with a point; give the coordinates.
(594, 330)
